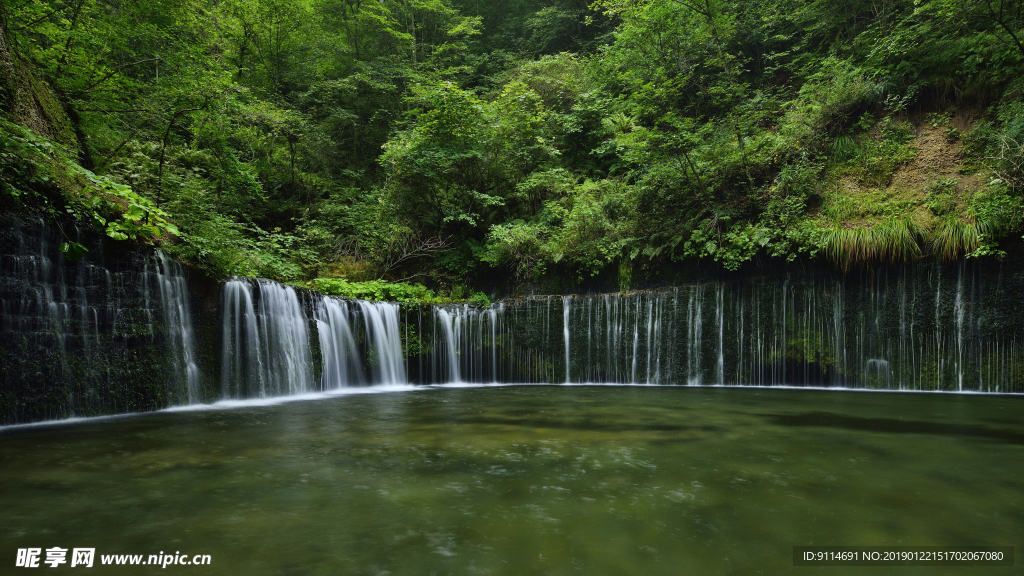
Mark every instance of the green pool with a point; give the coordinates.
(524, 480)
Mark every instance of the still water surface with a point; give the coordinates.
(525, 480)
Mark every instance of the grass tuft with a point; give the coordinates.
(953, 238)
(889, 242)
(844, 148)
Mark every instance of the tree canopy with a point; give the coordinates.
(464, 143)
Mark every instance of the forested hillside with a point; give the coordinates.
(471, 143)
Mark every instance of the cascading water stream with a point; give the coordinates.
(381, 321)
(451, 324)
(178, 317)
(265, 341)
(566, 304)
(342, 367)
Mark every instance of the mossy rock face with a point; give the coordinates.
(6, 68)
(27, 101)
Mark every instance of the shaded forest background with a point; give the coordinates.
(380, 148)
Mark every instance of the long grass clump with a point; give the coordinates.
(890, 242)
(953, 238)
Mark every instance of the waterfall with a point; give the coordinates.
(178, 317)
(472, 345)
(451, 324)
(109, 333)
(695, 326)
(265, 339)
(566, 300)
(382, 331)
(493, 314)
(341, 365)
(115, 332)
(924, 327)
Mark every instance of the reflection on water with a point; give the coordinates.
(525, 480)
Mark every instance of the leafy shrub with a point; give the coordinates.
(382, 291)
(519, 246)
(480, 300)
(939, 197)
(37, 174)
(374, 290)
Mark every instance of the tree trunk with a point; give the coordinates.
(163, 150)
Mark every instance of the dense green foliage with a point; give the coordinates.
(381, 290)
(36, 173)
(483, 143)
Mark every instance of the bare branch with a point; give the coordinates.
(118, 149)
(40, 19)
(348, 248)
(998, 17)
(402, 250)
(407, 278)
(115, 71)
(1008, 164)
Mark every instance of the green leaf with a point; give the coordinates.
(73, 251)
(134, 213)
(116, 234)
